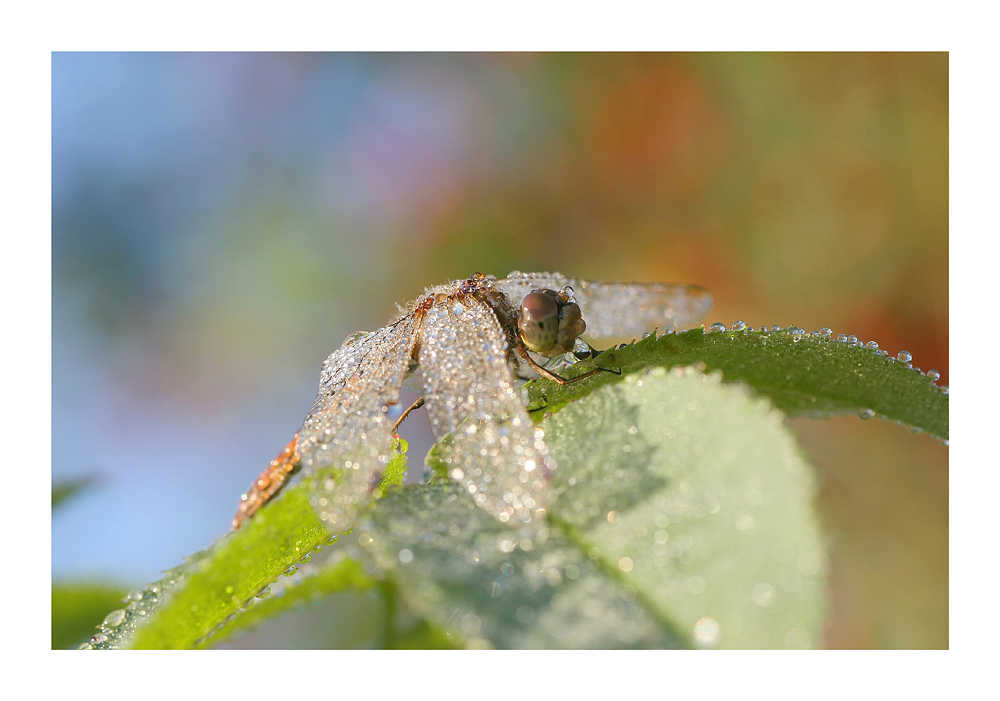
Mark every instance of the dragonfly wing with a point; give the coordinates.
(617, 310)
(495, 452)
(347, 436)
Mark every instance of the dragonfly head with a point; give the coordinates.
(549, 322)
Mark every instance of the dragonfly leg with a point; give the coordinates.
(269, 483)
(556, 378)
(413, 407)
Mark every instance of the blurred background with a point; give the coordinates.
(222, 221)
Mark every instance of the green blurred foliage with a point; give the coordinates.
(62, 490)
(77, 608)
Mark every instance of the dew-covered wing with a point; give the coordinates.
(495, 452)
(346, 439)
(615, 309)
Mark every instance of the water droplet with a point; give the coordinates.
(809, 563)
(707, 632)
(114, 619)
(934, 375)
(471, 624)
(763, 329)
(716, 327)
(904, 356)
(883, 353)
(775, 328)
(871, 345)
(841, 338)
(798, 639)
(944, 389)
(738, 326)
(306, 558)
(795, 329)
(852, 339)
(762, 594)
(291, 570)
(264, 592)
(825, 331)
(866, 414)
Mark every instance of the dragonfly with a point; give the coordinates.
(472, 340)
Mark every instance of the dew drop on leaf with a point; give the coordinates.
(707, 632)
(114, 619)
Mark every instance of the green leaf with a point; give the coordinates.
(295, 591)
(203, 599)
(803, 375)
(425, 636)
(466, 572)
(64, 489)
(684, 518)
(395, 471)
(77, 608)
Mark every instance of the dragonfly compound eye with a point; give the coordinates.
(571, 325)
(538, 322)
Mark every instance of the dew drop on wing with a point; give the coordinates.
(616, 309)
(347, 426)
(467, 386)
